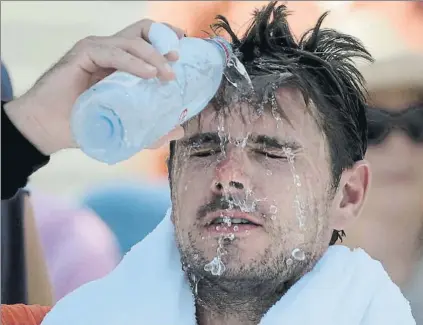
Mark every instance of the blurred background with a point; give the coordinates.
(77, 210)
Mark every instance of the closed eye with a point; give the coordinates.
(271, 155)
(204, 153)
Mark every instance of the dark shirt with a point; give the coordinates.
(19, 158)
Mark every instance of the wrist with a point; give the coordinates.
(23, 117)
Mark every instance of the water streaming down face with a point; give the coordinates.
(246, 189)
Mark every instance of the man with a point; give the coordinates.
(262, 183)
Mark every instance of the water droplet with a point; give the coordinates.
(217, 228)
(203, 238)
(273, 209)
(231, 236)
(236, 228)
(273, 217)
(208, 267)
(227, 221)
(195, 256)
(215, 267)
(268, 172)
(298, 254)
(220, 251)
(186, 187)
(247, 232)
(196, 287)
(289, 262)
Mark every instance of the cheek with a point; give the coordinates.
(191, 188)
(297, 195)
(270, 169)
(290, 180)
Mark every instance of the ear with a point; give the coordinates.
(350, 197)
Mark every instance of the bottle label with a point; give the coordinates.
(224, 45)
(183, 116)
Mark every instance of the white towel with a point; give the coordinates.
(148, 287)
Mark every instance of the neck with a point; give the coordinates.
(229, 302)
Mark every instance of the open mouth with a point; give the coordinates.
(228, 221)
(237, 224)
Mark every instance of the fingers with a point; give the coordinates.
(105, 56)
(141, 29)
(135, 56)
(179, 31)
(143, 50)
(172, 56)
(128, 50)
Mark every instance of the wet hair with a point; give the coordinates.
(321, 65)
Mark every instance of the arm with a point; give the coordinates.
(19, 158)
(37, 124)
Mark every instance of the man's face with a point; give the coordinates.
(270, 173)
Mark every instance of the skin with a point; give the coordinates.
(256, 261)
(42, 116)
(397, 173)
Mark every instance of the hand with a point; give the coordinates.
(42, 115)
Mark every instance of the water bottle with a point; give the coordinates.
(123, 114)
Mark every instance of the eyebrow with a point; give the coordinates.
(272, 142)
(202, 138)
(264, 140)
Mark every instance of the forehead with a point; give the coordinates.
(287, 116)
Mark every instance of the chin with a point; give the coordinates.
(232, 252)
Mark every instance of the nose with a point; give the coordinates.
(230, 176)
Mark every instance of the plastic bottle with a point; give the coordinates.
(123, 114)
